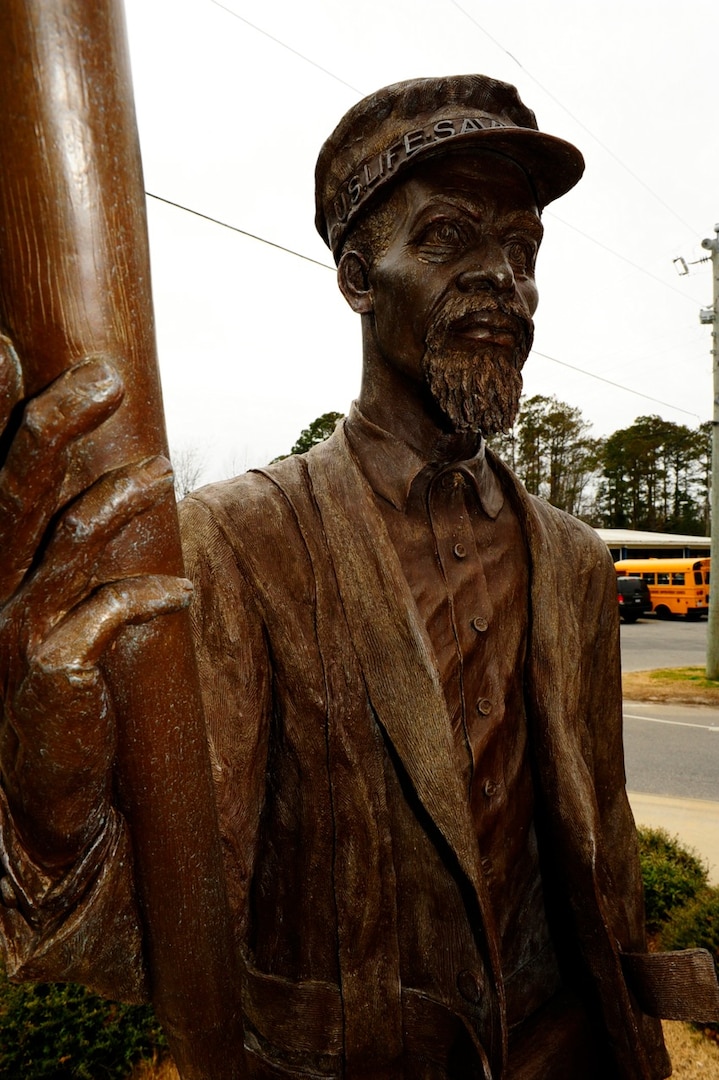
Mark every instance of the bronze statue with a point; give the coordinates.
(416, 748)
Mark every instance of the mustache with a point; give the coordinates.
(458, 309)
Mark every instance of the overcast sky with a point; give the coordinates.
(234, 101)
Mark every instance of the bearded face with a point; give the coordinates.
(475, 379)
(451, 291)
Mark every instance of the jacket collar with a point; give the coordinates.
(392, 466)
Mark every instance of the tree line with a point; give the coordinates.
(654, 475)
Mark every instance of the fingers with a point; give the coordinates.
(31, 478)
(88, 526)
(83, 533)
(77, 644)
(11, 388)
(74, 404)
(60, 739)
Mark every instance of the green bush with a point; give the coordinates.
(695, 926)
(672, 875)
(63, 1032)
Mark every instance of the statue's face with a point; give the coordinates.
(453, 293)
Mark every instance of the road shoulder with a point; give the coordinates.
(694, 821)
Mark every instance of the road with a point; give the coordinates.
(672, 751)
(653, 643)
(672, 761)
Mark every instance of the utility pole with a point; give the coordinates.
(711, 315)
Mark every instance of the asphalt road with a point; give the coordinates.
(672, 750)
(672, 761)
(653, 643)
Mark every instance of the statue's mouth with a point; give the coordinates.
(493, 327)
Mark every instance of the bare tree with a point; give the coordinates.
(188, 466)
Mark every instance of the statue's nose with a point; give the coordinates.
(491, 274)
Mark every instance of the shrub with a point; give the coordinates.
(695, 926)
(672, 875)
(63, 1032)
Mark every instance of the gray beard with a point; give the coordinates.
(476, 392)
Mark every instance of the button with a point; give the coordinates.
(489, 788)
(479, 623)
(469, 986)
(7, 893)
(487, 870)
(460, 551)
(484, 706)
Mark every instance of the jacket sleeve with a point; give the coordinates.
(82, 928)
(604, 731)
(85, 927)
(236, 681)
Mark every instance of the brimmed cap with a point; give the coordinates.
(409, 121)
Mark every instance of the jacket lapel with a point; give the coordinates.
(398, 666)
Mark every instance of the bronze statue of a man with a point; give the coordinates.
(414, 725)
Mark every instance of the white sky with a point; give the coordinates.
(255, 343)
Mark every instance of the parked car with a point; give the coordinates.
(634, 599)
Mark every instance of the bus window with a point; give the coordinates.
(676, 586)
(707, 577)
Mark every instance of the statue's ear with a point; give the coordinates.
(353, 278)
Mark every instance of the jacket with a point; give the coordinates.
(352, 682)
(320, 691)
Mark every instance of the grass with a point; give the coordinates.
(683, 685)
(693, 1057)
(155, 1070)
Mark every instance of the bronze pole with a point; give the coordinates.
(75, 281)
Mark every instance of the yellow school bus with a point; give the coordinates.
(676, 586)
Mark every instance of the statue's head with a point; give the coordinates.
(392, 130)
(430, 194)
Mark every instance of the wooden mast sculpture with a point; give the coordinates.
(74, 281)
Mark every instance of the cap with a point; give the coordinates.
(385, 133)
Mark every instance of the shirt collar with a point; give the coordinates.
(392, 465)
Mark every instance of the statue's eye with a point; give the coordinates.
(440, 238)
(521, 256)
(442, 232)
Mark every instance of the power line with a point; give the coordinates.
(576, 119)
(624, 258)
(284, 45)
(242, 232)
(618, 386)
(499, 45)
(327, 266)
